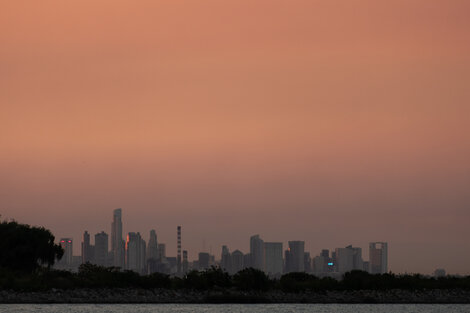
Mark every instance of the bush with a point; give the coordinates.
(252, 279)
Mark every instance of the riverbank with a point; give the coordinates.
(233, 296)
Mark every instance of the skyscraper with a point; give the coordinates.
(204, 260)
(135, 253)
(319, 264)
(152, 248)
(273, 258)
(117, 243)
(67, 245)
(143, 256)
(237, 261)
(87, 248)
(378, 257)
(307, 262)
(101, 249)
(295, 256)
(348, 259)
(161, 252)
(226, 260)
(257, 252)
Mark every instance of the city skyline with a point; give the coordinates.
(135, 254)
(334, 122)
(212, 250)
(267, 256)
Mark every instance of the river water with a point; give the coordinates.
(236, 308)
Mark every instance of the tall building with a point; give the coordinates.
(117, 243)
(87, 248)
(273, 258)
(204, 260)
(319, 264)
(143, 256)
(152, 248)
(348, 259)
(323, 263)
(67, 245)
(161, 252)
(358, 262)
(226, 260)
(247, 260)
(237, 261)
(378, 257)
(101, 249)
(135, 253)
(307, 262)
(257, 252)
(295, 257)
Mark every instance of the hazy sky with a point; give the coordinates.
(334, 122)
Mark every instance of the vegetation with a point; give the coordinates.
(94, 276)
(25, 248)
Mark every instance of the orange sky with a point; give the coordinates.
(334, 122)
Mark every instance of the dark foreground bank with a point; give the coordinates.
(188, 296)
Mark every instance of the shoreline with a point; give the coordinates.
(131, 295)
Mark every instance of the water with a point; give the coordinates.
(236, 308)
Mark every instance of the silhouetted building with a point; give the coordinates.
(295, 257)
(152, 249)
(237, 261)
(319, 264)
(67, 245)
(101, 249)
(322, 263)
(226, 260)
(152, 253)
(257, 252)
(153, 266)
(366, 266)
(117, 243)
(378, 257)
(143, 256)
(247, 260)
(134, 255)
(307, 262)
(171, 263)
(349, 259)
(162, 252)
(273, 258)
(204, 260)
(87, 249)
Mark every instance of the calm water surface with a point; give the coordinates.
(235, 308)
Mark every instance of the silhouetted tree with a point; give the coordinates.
(26, 248)
(195, 280)
(251, 279)
(297, 281)
(216, 277)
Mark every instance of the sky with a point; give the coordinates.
(334, 122)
